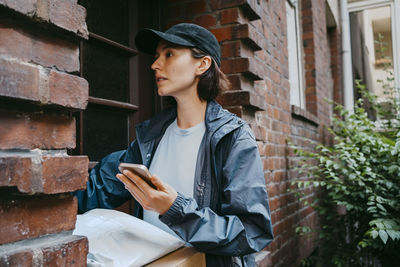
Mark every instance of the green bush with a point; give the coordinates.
(360, 174)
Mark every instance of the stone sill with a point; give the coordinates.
(304, 115)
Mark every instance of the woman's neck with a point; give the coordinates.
(190, 112)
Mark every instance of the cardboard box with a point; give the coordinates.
(182, 257)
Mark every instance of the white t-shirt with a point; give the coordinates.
(174, 163)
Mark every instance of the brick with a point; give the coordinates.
(23, 6)
(19, 81)
(273, 190)
(242, 65)
(273, 205)
(278, 176)
(235, 110)
(49, 52)
(235, 80)
(218, 4)
(30, 131)
(35, 173)
(15, 43)
(206, 21)
(65, 14)
(275, 77)
(68, 15)
(242, 98)
(259, 132)
(231, 49)
(238, 32)
(29, 82)
(229, 16)
(38, 48)
(29, 217)
(62, 249)
(64, 174)
(68, 90)
(263, 258)
(223, 34)
(251, 8)
(235, 65)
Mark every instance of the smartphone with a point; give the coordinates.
(138, 169)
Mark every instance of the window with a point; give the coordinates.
(121, 89)
(295, 58)
(375, 23)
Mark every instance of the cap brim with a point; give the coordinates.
(147, 40)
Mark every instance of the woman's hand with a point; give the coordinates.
(158, 200)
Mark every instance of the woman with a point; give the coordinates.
(210, 188)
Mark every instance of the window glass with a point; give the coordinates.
(107, 72)
(104, 131)
(372, 50)
(294, 56)
(109, 19)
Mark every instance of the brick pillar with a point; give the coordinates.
(39, 59)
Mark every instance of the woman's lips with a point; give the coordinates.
(160, 79)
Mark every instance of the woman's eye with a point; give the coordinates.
(168, 54)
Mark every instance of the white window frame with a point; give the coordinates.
(395, 21)
(297, 95)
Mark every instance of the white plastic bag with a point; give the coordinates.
(118, 239)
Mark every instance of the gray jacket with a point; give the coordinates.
(228, 217)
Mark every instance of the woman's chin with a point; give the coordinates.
(162, 93)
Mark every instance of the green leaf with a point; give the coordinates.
(380, 207)
(380, 225)
(383, 235)
(392, 234)
(374, 234)
(362, 244)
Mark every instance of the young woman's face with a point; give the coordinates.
(176, 71)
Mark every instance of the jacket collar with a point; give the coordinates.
(216, 117)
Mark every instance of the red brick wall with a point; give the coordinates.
(39, 55)
(252, 35)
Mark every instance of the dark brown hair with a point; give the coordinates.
(213, 81)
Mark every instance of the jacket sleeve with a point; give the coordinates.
(103, 189)
(243, 225)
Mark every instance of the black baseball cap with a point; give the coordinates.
(184, 34)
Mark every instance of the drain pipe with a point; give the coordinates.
(346, 58)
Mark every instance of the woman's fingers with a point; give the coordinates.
(132, 188)
(123, 179)
(140, 183)
(139, 189)
(159, 200)
(158, 183)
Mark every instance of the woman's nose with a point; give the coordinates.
(156, 64)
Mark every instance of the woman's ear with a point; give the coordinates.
(205, 63)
